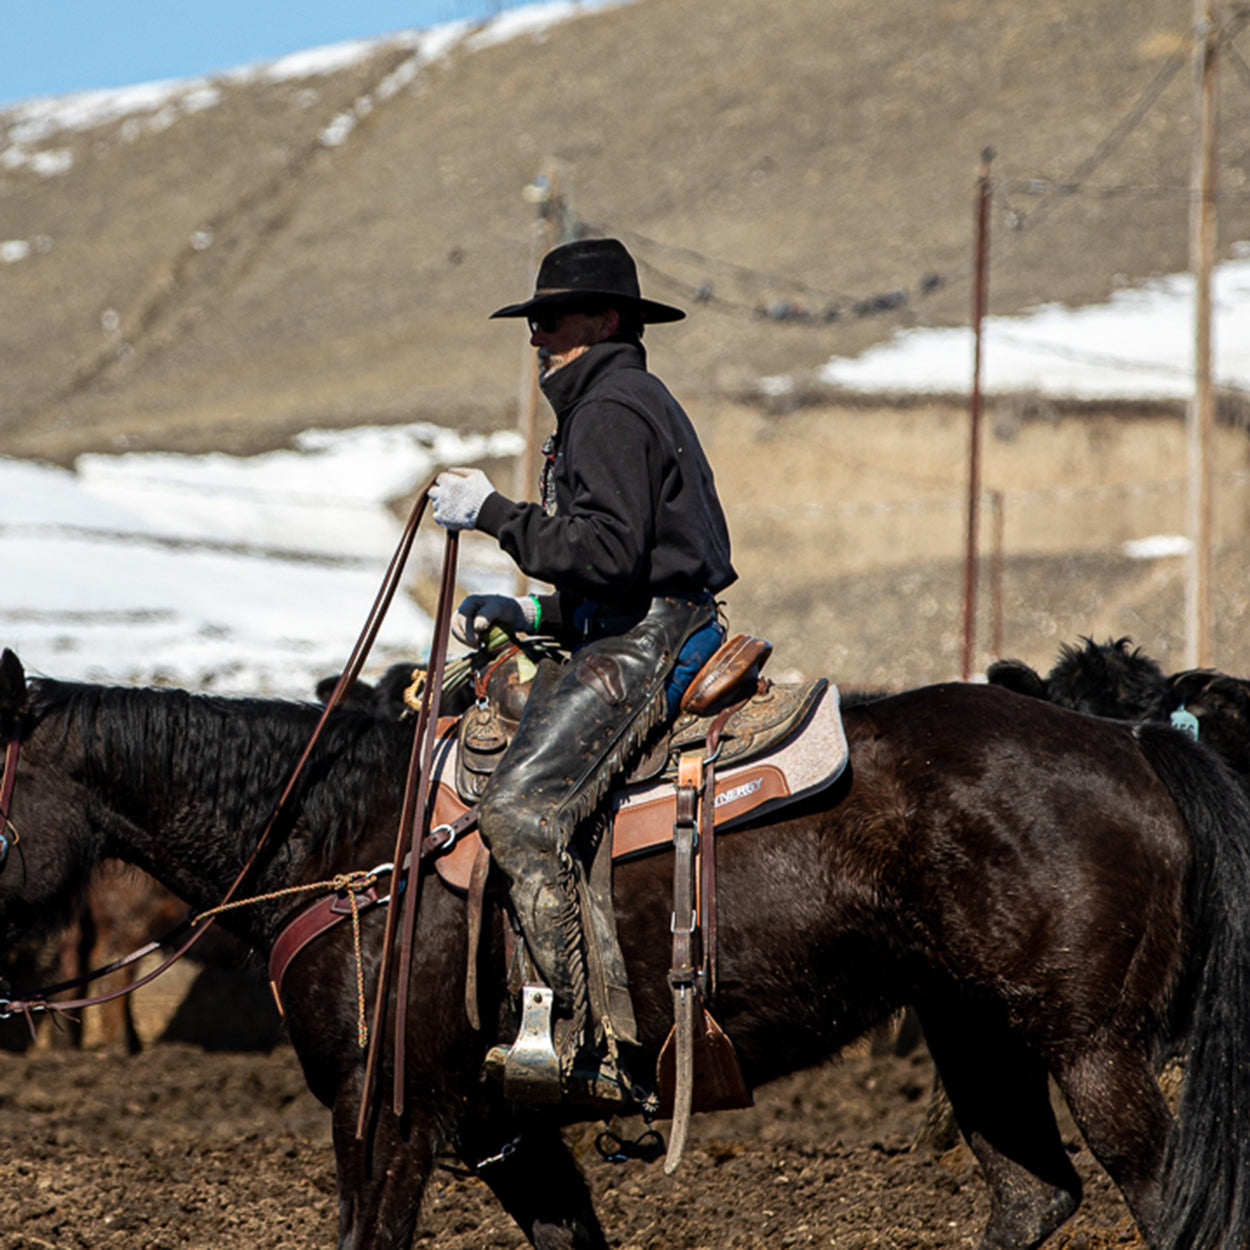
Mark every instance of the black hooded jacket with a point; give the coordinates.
(636, 514)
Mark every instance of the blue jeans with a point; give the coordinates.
(698, 649)
(694, 654)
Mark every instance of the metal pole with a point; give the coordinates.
(998, 511)
(549, 228)
(979, 293)
(1200, 431)
(544, 192)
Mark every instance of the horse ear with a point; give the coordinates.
(12, 688)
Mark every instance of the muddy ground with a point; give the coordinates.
(185, 1149)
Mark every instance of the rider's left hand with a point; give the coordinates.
(478, 613)
(458, 496)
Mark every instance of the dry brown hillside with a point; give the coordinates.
(218, 279)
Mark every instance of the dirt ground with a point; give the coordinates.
(187, 1149)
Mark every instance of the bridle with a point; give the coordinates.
(9, 837)
(8, 833)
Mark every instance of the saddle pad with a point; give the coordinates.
(643, 816)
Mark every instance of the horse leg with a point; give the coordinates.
(528, 1167)
(1001, 1097)
(381, 1180)
(1122, 1114)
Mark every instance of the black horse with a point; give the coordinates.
(1056, 895)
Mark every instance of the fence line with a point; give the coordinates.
(773, 512)
(954, 503)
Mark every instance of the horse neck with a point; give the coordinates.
(183, 785)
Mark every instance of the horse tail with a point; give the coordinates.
(1206, 1199)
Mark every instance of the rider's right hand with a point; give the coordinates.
(477, 613)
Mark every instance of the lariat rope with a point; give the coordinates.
(349, 883)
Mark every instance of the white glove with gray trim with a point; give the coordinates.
(458, 496)
(477, 613)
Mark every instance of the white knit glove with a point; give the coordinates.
(458, 496)
(477, 613)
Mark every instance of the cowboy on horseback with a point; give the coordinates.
(630, 533)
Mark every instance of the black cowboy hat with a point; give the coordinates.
(594, 272)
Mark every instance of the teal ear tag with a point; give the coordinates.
(1186, 722)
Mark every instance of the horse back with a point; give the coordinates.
(976, 758)
(1022, 845)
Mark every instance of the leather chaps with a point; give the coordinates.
(586, 721)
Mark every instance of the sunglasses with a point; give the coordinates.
(549, 322)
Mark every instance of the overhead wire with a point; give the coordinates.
(1066, 187)
(1055, 191)
(833, 304)
(850, 509)
(828, 305)
(1237, 61)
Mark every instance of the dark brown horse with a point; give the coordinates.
(1056, 895)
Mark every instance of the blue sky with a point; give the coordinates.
(50, 47)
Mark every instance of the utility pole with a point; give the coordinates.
(552, 226)
(1200, 430)
(979, 299)
(998, 514)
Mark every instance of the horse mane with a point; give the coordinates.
(234, 755)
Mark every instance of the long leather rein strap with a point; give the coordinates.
(683, 976)
(37, 1001)
(707, 850)
(693, 970)
(416, 798)
(427, 723)
(355, 662)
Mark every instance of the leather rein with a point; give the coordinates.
(38, 1001)
(413, 814)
